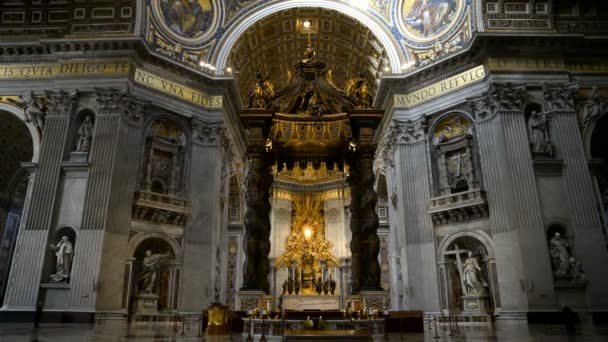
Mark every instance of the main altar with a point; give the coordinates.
(308, 260)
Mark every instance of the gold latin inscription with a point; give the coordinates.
(174, 89)
(546, 64)
(25, 71)
(440, 88)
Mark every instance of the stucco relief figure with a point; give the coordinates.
(428, 17)
(560, 257)
(152, 263)
(32, 109)
(539, 133)
(473, 281)
(85, 133)
(64, 252)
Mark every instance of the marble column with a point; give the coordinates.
(201, 235)
(28, 260)
(117, 156)
(585, 223)
(412, 174)
(257, 219)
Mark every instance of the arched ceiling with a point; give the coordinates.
(273, 45)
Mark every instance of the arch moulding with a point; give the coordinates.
(383, 34)
(18, 112)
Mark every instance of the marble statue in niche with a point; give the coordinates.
(560, 257)
(540, 139)
(85, 133)
(64, 252)
(473, 280)
(152, 264)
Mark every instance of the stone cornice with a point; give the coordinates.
(53, 50)
(488, 45)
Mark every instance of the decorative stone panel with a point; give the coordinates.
(459, 207)
(162, 209)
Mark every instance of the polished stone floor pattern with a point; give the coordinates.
(502, 331)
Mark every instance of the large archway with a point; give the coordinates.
(234, 33)
(271, 46)
(16, 147)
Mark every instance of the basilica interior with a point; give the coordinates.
(248, 164)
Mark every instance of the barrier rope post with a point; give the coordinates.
(436, 332)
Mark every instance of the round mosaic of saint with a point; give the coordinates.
(187, 21)
(429, 20)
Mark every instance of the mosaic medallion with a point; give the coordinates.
(429, 20)
(188, 22)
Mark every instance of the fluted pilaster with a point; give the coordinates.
(527, 215)
(589, 247)
(201, 233)
(497, 183)
(123, 184)
(31, 248)
(413, 193)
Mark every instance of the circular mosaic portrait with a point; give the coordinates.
(428, 20)
(187, 21)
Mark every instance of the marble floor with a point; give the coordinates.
(158, 332)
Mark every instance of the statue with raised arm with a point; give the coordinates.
(152, 264)
(473, 281)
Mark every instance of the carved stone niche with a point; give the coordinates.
(160, 199)
(459, 197)
(453, 152)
